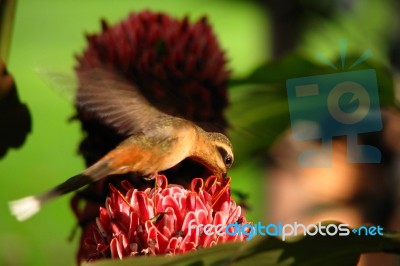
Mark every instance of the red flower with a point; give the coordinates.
(156, 221)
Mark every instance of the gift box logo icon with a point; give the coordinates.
(340, 104)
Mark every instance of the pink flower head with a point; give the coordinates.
(156, 221)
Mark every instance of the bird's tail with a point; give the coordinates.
(26, 207)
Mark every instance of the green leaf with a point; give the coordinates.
(304, 251)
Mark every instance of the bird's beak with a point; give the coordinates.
(221, 175)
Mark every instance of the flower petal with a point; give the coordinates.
(117, 250)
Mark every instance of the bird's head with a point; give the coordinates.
(215, 152)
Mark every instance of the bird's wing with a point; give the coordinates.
(116, 101)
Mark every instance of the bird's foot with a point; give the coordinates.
(150, 177)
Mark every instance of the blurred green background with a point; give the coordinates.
(47, 34)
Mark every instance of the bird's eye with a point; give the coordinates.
(228, 161)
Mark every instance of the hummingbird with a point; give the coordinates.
(155, 140)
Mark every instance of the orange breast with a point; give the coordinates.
(130, 158)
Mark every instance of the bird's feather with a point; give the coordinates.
(116, 101)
